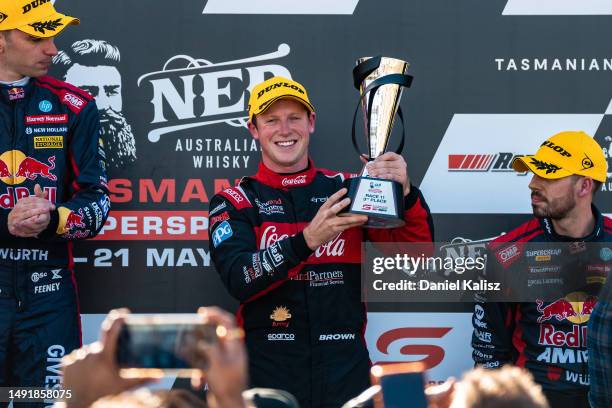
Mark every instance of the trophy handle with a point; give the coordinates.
(360, 72)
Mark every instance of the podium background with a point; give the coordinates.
(491, 78)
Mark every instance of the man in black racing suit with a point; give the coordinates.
(53, 190)
(282, 250)
(547, 336)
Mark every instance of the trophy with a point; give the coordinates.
(380, 81)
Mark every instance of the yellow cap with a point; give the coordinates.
(266, 93)
(37, 18)
(565, 154)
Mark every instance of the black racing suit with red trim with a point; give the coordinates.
(301, 310)
(546, 337)
(49, 135)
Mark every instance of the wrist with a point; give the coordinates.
(312, 245)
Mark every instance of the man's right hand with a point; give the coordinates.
(327, 224)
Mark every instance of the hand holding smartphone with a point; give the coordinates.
(164, 344)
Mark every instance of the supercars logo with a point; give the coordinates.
(2, 17)
(433, 354)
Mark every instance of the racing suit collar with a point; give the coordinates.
(286, 181)
(595, 235)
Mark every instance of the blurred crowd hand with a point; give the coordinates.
(440, 395)
(31, 215)
(91, 372)
(222, 363)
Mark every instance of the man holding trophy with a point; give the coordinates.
(287, 251)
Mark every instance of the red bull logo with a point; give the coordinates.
(575, 307)
(16, 168)
(16, 93)
(74, 220)
(31, 169)
(4, 170)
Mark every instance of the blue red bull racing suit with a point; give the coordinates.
(49, 135)
(548, 338)
(301, 309)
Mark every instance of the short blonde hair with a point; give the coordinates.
(507, 387)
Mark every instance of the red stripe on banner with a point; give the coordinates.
(467, 164)
(155, 225)
(455, 160)
(487, 164)
(477, 158)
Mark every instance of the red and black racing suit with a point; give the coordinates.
(301, 310)
(49, 135)
(548, 338)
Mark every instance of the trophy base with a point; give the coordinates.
(381, 200)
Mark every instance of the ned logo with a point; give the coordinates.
(287, 7)
(192, 92)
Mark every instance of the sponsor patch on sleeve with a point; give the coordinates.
(236, 198)
(222, 233)
(74, 103)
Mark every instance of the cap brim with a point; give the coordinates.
(545, 170)
(302, 101)
(49, 26)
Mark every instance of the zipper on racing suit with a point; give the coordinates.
(15, 265)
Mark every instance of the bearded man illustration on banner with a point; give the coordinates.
(92, 65)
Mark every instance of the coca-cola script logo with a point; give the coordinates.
(270, 236)
(294, 181)
(335, 247)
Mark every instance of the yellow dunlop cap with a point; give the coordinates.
(564, 154)
(266, 93)
(37, 18)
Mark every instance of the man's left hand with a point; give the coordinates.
(390, 166)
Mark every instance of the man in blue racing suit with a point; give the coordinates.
(559, 250)
(53, 190)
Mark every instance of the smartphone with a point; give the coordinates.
(163, 344)
(402, 385)
(402, 390)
